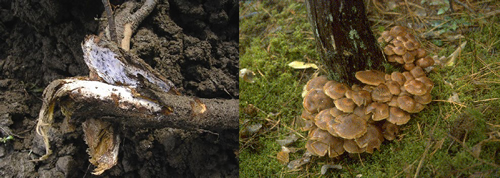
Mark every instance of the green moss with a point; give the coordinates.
(279, 33)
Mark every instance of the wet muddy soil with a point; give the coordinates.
(193, 43)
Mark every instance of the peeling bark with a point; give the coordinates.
(344, 38)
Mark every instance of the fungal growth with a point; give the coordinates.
(358, 119)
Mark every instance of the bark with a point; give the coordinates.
(344, 38)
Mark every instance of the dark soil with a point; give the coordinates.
(193, 43)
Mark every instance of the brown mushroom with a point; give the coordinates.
(397, 43)
(399, 50)
(398, 77)
(335, 112)
(417, 72)
(415, 87)
(408, 76)
(360, 111)
(381, 93)
(322, 118)
(386, 36)
(371, 140)
(427, 82)
(388, 50)
(423, 99)
(410, 45)
(370, 77)
(425, 62)
(345, 105)
(398, 116)
(361, 97)
(394, 87)
(335, 90)
(315, 101)
(317, 148)
(408, 57)
(352, 147)
(393, 102)
(349, 126)
(316, 83)
(307, 115)
(380, 111)
(408, 66)
(397, 31)
(318, 134)
(421, 53)
(418, 107)
(308, 125)
(406, 103)
(336, 147)
(389, 130)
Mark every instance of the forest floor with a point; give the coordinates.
(194, 44)
(457, 135)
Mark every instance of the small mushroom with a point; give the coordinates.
(427, 82)
(425, 62)
(408, 76)
(315, 101)
(406, 103)
(349, 126)
(345, 105)
(397, 43)
(316, 83)
(388, 50)
(389, 130)
(352, 147)
(307, 115)
(415, 87)
(381, 93)
(398, 116)
(394, 87)
(418, 107)
(417, 72)
(386, 36)
(371, 140)
(423, 99)
(408, 66)
(421, 53)
(317, 148)
(322, 118)
(380, 111)
(399, 50)
(370, 77)
(408, 57)
(318, 134)
(360, 111)
(361, 97)
(410, 45)
(335, 112)
(397, 31)
(335, 90)
(398, 77)
(393, 102)
(336, 147)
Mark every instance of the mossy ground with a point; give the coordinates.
(441, 141)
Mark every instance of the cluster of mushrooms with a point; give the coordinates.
(358, 119)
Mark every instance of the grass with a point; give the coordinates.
(441, 141)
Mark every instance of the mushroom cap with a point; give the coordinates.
(397, 31)
(409, 66)
(398, 77)
(318, 134)
(415, 87)
(388, 50)
(381, 93)
(345, 105)
(421, 53)
(352, 147)
(386, 36)
(408, 57)
(399, 50)
(361, 97)
(418, 107)
(410, 45)
(349, 126)
(307, 115)
(370, 77)
(322, 118)
(315, 101)
(335, 112)
(389, 130)
(406, 103)
(428, 82)
(423, 99)
(335, 90)
(360, 111)
(394, 87)
(372, 139)
(425, 62)
(317, 148)
(398, 116)
(392, 58)
(316, 83)
(417, 72)
(380, 111)
(336, 147)
(393, 102)
(408, 76)
(308, 125)
(397, 43)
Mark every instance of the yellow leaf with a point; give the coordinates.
(302, 65)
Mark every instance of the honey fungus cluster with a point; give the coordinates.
(357, 119)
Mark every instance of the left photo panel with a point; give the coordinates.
(121, 88)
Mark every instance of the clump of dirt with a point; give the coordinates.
(194, 44)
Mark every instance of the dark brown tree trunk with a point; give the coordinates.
(344, 38)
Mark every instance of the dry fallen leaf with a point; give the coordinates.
(453, 56)
(299, 162)
(288, 140)
(302, 65)
(283, 155)
(325, 168)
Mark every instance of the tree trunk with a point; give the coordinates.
(344, 38)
